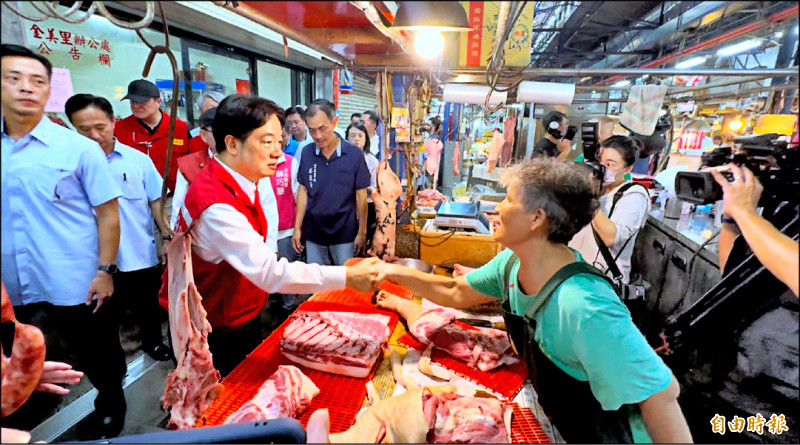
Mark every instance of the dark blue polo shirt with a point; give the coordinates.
(331, 185)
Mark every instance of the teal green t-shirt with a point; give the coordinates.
(588, 333)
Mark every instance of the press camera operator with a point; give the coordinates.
(556, 142)
(776, 251)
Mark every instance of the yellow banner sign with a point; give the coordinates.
(476, 45)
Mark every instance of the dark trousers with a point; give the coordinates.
(89, 342)
(228, 349)
(138, 291)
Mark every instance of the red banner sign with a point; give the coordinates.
(476, 35)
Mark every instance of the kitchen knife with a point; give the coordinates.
(477, 322)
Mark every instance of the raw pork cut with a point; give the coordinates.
(286, 393)
(338, 342)
(385, 198)
(433, 414)
(485, 349)
(461, 419)
(429, 198)
(21, 372)
(194, 383)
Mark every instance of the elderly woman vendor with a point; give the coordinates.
(597, 378)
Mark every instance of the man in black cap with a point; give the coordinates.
(147, 129)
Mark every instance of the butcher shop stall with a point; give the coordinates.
(464, 91)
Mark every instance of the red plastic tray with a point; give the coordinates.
(506, 380)
(525, 427)
(342, 395)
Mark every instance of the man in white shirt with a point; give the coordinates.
(138, 279)
(297, 129)
(371, 120)
(233, 266)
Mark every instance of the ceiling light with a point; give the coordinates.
(622, 83)
(444, 16)
(428, 43)
(693, 62)
(796, 29)
(739, 47)
(735, 125)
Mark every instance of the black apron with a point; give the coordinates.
(567, 401)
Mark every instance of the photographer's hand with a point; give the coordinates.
(740, 196)
(779, 253)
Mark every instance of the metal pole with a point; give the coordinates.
(582, 72)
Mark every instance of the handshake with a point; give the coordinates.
(368, 273)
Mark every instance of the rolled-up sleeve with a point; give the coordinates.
(224, 234)
(152, 180)
(95, 175)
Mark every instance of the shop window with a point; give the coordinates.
(275, 83)
(101, 58)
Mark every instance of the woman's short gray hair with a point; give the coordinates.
(563, 189)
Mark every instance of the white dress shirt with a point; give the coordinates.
(224, 234)
(181, 186)
(270, 205)
(141, 185)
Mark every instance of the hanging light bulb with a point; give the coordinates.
(428, 43)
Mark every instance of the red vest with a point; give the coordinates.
(230, 299)
(132, 133)
(197, 144)
(282, 187)
(191, 165)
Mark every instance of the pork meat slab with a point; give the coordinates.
(337, 342)
(485, 349)
(194, 383)
(462, 419)
(286, 393)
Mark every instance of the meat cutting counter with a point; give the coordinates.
(345, 397)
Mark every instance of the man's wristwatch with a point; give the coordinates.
(109, 268)
(167, 237)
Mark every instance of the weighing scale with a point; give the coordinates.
(461, 216)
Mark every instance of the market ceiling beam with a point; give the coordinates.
(347, 35)
(531, 73)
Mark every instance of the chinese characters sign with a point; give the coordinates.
(476, 45)
(75, 45)
(754, 424)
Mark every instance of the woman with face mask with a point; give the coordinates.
(616, 224)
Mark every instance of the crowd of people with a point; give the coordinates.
(258, 187)
(84, 236)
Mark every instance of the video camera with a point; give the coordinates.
(771, 161)
(651, 144)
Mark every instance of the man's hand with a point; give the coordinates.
(297, 241)
(363, 275)
(58, 373)
(102, 287)
(163, 257)
(740, 196)
(360, 243)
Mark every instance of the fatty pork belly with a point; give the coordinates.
(286, 393)
(337, 342)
